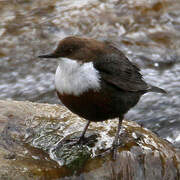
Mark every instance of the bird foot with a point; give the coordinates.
(113, 150)
(89, 140)
(81, 140)
(76, 141)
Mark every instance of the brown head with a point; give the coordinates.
(78, 48)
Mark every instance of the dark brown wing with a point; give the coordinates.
(117, 70)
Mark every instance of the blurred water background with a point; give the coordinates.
(147, 31)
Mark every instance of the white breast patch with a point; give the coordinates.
(74, 78)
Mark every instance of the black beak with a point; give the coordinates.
(53, 55)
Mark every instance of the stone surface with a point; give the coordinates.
(36, 142)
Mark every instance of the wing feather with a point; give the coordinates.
(116, 69)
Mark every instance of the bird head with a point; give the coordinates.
(78, 48)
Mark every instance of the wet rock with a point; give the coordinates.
(38, 141)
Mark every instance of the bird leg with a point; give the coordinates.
(115, 142)
(81, 139)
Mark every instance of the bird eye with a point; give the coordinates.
(70, 50)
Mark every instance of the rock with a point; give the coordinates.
(38, 141)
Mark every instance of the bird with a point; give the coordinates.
(96, 81)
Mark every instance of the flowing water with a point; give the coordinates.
(148, 32)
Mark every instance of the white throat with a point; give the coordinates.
(74, 78)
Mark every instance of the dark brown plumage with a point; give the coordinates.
(121, 84)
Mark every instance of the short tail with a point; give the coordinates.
(156, 89)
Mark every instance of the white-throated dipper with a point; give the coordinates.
(96, 81)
